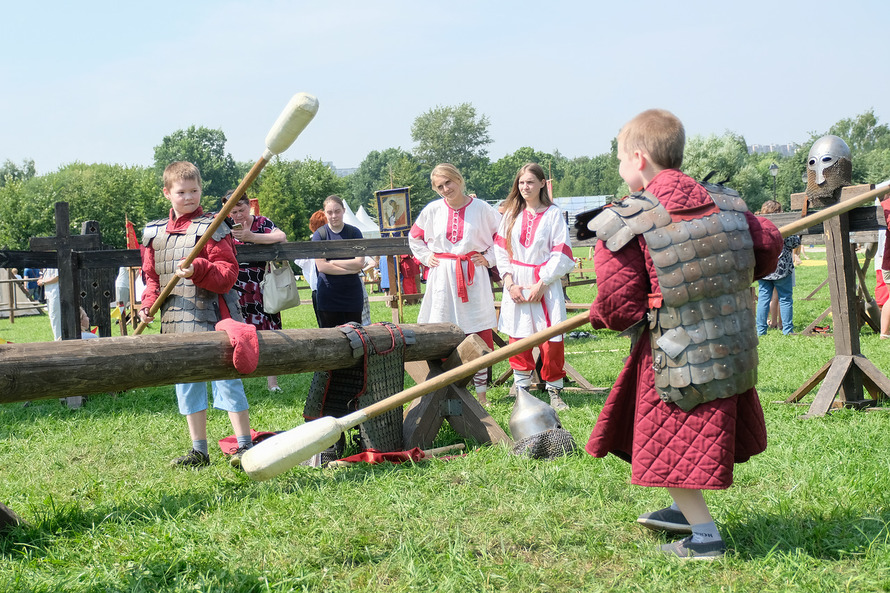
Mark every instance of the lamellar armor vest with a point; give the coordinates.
(702, 331)
(189, 308)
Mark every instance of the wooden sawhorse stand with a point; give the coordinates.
(862, 312)
(453, 403)
(844, 375)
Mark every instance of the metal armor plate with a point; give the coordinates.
(188, 308)
(704, 341)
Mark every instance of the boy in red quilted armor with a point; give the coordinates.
(677, 260)
(202, 297)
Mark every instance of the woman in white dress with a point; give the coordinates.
(454, 238)
(534, 252)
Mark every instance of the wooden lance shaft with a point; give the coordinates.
(282, 452)
(293, 120)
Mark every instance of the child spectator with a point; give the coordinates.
(85, 333)
(202, 297)
(684, 409)
(32, 274)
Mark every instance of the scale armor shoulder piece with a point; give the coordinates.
(152, 229)
(727, 199)
(627, 218)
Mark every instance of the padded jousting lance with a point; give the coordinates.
(292, 121)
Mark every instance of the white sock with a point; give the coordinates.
(705, 532)
(522, 378)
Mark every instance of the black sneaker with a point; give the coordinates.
(665, 520)
(687, 550)
(235, 459)
(193, 458)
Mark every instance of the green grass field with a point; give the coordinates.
(103, 511)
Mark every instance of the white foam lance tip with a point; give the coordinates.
(292, 121)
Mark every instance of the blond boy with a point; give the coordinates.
(201, 298)
(667, 255)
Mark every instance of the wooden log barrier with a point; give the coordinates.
(41, 370)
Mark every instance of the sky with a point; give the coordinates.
(104, 82)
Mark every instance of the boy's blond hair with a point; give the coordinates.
(181, 171)
(657, 132)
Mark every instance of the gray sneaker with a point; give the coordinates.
(555, 400)
(665, 520)
(687, 550)
(235, 459)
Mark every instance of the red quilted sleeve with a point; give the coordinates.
(768, 244)
(622, 287)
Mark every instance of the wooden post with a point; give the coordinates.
(844, 376)
(11, 300)
(394, 292)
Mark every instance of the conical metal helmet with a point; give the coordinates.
(531, 416)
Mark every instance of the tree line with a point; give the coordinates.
(289, 191)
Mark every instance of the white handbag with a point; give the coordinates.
(279, 287)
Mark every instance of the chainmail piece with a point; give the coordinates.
(549, 444)
(342, 391)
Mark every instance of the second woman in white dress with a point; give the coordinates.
(534, 252)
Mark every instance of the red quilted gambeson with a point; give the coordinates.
(666, 446)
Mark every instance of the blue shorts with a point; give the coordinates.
(227, 395)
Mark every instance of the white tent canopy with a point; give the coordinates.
(365, 218)
(369, 231)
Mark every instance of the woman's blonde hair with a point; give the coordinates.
(448, 171)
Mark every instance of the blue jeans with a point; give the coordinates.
(785, 288)
(228, 395)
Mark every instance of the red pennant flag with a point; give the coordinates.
(132, 240)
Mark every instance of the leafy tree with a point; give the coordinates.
(10, 172)
(497, 180)
(290, 191)
(205, 148)
(862, 133)
(376, 172)
(105, 193)
(596, 176)
(876, 166)
(725, 155)
(23, 215)
(453, 135)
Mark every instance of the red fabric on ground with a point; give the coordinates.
(229, 444)
(375, 456)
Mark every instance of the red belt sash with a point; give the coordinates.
(462, 283)
(536, 268)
